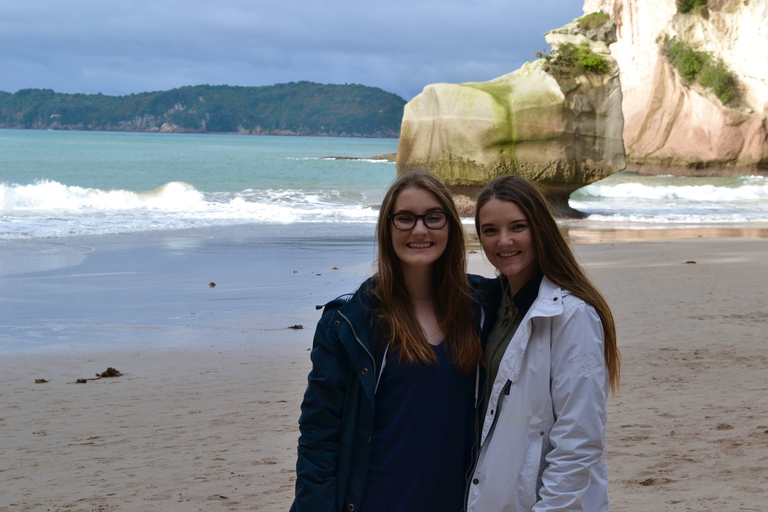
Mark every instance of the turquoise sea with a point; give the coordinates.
(124, 240)
(56, 184)
(59, 184)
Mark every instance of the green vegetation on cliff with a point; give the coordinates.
(296, 108)
(702, 68)
(686, 6)
(593, 21)
(569, 60)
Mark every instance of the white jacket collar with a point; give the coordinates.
(549, 301)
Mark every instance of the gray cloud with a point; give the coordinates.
(134, 46)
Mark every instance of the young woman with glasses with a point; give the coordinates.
(387, 421)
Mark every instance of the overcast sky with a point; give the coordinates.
(130, 46)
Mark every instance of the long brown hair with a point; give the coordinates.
(554, 256)
(453, 302)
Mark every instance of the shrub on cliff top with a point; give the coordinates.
(570, 60)
(700, 67)
(593, 21)
(718, 78)
(686, 6)
(588, 60)
(685, 59)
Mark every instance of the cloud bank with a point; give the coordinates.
(116, 48)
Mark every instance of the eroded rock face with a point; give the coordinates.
(673, 127)
(562, 135)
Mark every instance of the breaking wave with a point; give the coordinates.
(49, 208)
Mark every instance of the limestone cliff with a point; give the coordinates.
(671, 126)
(562, 130)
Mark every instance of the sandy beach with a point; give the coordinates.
(214, 427)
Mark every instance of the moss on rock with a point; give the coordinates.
(526, 123)
(593, 21)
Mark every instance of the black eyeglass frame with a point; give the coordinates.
(391, 218)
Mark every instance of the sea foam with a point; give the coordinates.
(49, 209)
(671, 200)
(53, 196)
(751, 188)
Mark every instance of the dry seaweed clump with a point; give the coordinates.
(110, 372)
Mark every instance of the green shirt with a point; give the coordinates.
(510, 314)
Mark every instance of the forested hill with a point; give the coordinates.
(296, 108)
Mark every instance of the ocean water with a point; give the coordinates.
(56, 184)
(643, 202)
(59, 184)
(113, 239)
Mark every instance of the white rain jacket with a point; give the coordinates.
(543, 436)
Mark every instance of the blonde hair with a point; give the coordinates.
(453, 302)
(554, 256)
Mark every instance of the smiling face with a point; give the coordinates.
(418, 247)
(507, 239)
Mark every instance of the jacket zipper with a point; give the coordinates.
(504, 391)
(373, 361)
(475, 453)
(477, 447)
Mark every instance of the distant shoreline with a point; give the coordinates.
(286, 133)
(694, 170)
(389, 157)
(295, 108)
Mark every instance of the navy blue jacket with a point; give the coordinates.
(337, 413)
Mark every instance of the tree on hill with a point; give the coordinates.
(296, 108)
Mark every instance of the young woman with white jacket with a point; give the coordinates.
(552, 358)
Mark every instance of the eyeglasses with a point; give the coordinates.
(406, 221)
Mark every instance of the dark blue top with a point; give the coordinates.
(422, 437)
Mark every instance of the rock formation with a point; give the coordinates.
(671, 126)
(558, 128)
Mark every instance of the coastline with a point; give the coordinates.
(597, 234)
(213, 425)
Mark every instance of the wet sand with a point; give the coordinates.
(215, 427)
